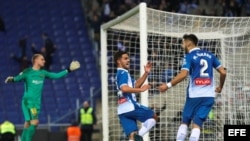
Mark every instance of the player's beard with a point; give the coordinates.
(186, 49)
(126, 66)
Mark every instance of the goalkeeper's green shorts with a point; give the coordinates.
(31, 110)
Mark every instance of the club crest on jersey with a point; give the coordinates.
(202, 81)
(195, 57)
(42, 75)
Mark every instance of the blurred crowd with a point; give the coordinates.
(101, 11)
(47, 50)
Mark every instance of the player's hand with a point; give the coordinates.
(74, 65)
(9, 79)
(163, 87)
(148, 67)
(218, 89)
(145, 87)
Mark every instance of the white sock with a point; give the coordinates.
(146, 126)
(130, 140)
(143, 131)
(195, 134)
(182, 132)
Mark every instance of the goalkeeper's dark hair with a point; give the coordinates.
(191, 37)
(118, 55)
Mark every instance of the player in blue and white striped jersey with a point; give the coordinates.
(198, 65)
(129, 110)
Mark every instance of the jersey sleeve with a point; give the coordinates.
(216, 62)
(133, 82)
(186, 63)
(20, 76)
(53, 75)
(122, 79)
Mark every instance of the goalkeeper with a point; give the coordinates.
(33, 79)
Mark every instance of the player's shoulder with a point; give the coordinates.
(27, 70)
(210, 53)
(206, 51)
(122, 71)
(202, 52)
(43, 71)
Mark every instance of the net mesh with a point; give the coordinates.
(227, 38)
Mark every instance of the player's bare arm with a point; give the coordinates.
(181, 76)
(141, 80)
(223, 74)
(127, 89)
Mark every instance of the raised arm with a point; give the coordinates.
(74, 65)
(53, 75)
(142, 79)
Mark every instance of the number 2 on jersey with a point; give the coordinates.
(204, 65)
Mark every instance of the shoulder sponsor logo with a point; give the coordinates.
(195, 57)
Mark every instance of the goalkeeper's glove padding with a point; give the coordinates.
(9, 79)
(74, 65)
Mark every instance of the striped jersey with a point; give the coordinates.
(200, 65)
(126, 101)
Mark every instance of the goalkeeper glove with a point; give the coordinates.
(74, 65)
(9, 79)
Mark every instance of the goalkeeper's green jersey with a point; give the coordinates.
(33, 82)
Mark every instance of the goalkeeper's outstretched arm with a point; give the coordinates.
(19, 77)
(74, 65)
(9, 79)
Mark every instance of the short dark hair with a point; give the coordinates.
(191, 37)
(118, 55)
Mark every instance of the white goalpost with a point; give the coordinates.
(152, 35)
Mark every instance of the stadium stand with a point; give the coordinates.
(64, 21)
(109, 9)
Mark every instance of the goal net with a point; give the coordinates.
(152, 35)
